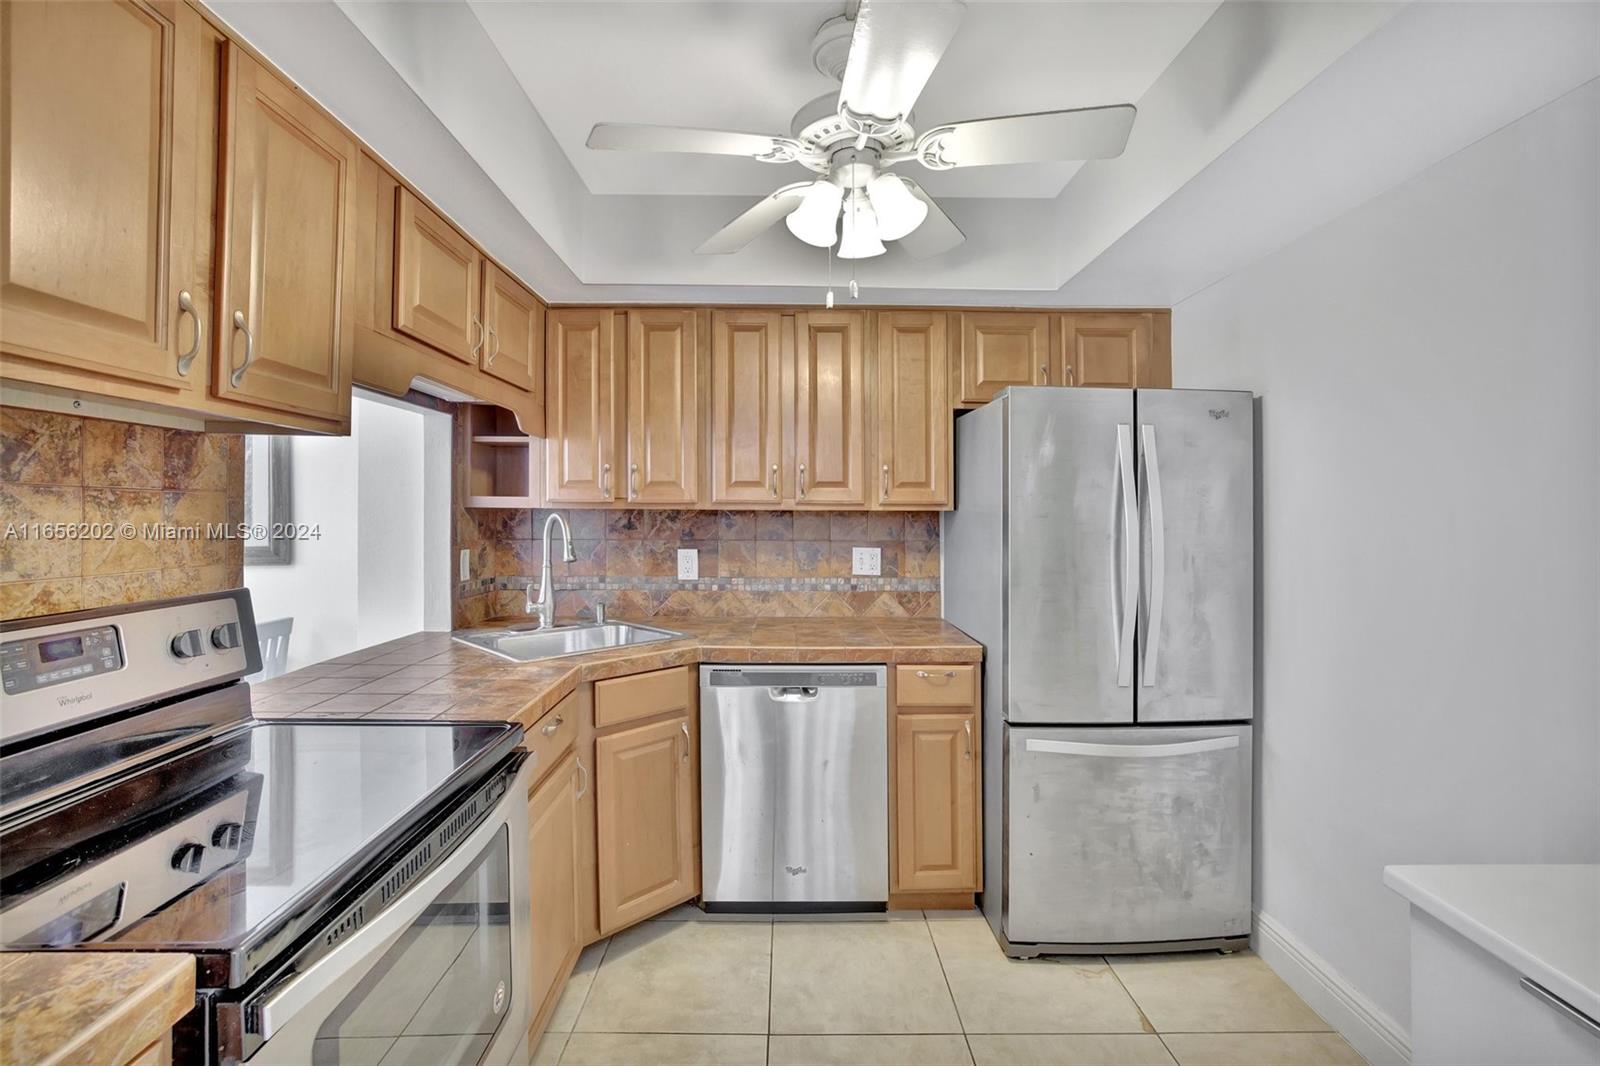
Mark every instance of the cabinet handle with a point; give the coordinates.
(1044, 373)
(1068, 375)
(925, 674)
(585, 771)
(550, 730)
(494, 335)
(186, 304)
(886, 481)
(801, 484)
(605, 480)
(249, 348)
(967, 725)
(685, 727)
(477, 345)
(773, 481)
(633, 481)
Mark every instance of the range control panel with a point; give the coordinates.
(39, 661)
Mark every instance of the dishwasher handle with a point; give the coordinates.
(792, 693)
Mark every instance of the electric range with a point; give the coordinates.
(351, 890)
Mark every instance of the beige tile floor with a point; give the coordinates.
(918, 990)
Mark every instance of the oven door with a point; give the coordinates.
(439, 977)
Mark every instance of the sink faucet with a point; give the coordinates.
(545, 605)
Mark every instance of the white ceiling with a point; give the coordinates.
(747, 67)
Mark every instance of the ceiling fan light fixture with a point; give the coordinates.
(898, 211)
(816, 220)
(860, 239)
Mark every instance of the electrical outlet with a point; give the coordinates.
(866, 562)
(688, 564)
(466, 565)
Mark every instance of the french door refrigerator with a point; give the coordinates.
(1102, 549)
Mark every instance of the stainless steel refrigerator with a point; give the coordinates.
(1102, 549)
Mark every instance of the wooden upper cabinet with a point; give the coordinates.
(436, 272)
(553, 878)
(936, 802)
(286, 224)
(99, 181)
(747, 350)
(1001, 348)
(644, 797)
(830, 423)
(580, 405)
(512, 347)
(914, 422)
(663, 395)
(1104, 349)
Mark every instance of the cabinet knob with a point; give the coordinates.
(550, 730)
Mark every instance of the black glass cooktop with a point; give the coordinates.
(232, 843)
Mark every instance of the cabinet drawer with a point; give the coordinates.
(936, 686)
(553, 734)
(629, 699)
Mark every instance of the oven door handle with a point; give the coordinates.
(363, 948)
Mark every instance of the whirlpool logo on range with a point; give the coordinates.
(68, 701)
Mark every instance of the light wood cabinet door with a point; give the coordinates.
(436, 272)
(830, 418)
(1105, 350)
(286, 225)
(553, 877)
(99, 176)
(663, 391)
(1002, 348)
(580, 405)
(644, 795)
(512, 348)
(747, 350)
(914, 419)
(936, 802)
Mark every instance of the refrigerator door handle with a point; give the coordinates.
(1131, 751)
(1130, 554)
(1158, 553)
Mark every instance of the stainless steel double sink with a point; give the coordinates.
(526, 643)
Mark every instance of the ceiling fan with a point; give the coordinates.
(882, 52)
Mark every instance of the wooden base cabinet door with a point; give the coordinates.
(287, 227)
(747, 350)
(936, 802)
(663, 390)
(644, 796)
(98, 181)
(914, 419)
(830, 418)
(553, 877)
(1002, 348)
(580, 405)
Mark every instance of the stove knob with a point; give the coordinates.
(227, 835)
(225, 636)
(187, 645)
(187, 858)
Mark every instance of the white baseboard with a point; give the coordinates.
(1378, 1037)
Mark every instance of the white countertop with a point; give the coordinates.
(1542, 921)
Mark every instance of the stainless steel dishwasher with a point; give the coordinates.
(794, 788)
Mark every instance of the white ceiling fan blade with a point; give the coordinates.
(895, 46)
(1080, 133)
(756, 221)
(627, 136)
(936, 235)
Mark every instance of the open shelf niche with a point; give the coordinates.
(503, 463)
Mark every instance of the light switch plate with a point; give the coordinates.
(466, 565)
(866, 562)
(688, 564)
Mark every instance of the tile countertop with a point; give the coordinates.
(1542, 921)
(58, 1007)
(429, 676)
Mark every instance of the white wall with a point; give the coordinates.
(388, 442)
(1430, 616)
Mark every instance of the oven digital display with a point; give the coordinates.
(53, 651)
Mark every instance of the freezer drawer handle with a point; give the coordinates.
(792, 693)
(1132, 751)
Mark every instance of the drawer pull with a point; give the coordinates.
(926, 675)
(550, 730)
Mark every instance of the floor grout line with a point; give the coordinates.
(772, 968)
(951, 992)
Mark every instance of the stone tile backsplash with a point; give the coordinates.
(752, 564)
(62, 470)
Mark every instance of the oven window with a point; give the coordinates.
(437, 995)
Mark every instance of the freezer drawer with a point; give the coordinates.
(794, 794)
(1126, 835)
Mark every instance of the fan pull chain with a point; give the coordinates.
(829, 301)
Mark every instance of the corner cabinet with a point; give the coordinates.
(830, 413)
(936, 781)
